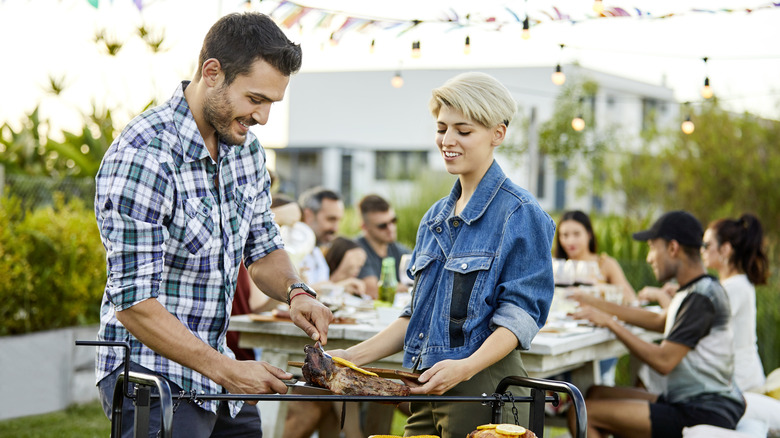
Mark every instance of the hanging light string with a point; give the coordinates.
(290, 13)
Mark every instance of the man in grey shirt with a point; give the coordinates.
(379, 241)
(696, 354)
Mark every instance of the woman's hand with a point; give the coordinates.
(443, 376)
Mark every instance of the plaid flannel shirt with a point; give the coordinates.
(175, 225)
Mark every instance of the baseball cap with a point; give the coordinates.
(675, 225)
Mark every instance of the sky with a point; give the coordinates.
(43, 39)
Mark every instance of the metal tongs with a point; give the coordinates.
(343, 403)
(318, 345)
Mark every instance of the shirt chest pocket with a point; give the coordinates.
(244, 198)
(469, 274)
(199, 229)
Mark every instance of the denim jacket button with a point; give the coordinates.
(455, 223)
(438, 229)
(421, 336)
(414, 358)
(464, 266)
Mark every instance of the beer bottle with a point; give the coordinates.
(388, 282)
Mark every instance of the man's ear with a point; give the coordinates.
(673, 247)
(308, 215)
(210, 72)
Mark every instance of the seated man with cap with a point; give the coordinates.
(696, 353)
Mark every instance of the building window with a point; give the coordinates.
(403, 165)
(651, 109)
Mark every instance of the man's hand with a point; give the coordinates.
(311, 316)
(582, 297)
(597, 317)
(250, 377)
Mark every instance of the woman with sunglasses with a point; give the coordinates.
(734, 248)
(482, 270)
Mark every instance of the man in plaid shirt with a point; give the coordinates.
(183, 197)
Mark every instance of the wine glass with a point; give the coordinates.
(403, 264)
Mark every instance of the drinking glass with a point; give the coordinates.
(403, 264)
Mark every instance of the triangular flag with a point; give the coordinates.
(94, 3)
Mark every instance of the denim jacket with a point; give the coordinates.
(488, 267)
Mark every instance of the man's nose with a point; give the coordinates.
(261, 113)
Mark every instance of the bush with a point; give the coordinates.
(53, 264)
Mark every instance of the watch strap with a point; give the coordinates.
(302, 286)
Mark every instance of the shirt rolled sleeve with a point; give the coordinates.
(133, 197)
(264, 234)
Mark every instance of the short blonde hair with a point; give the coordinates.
(478, 96)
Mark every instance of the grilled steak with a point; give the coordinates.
(321, 371)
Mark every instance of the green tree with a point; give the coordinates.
(587, 153)
(724, 168)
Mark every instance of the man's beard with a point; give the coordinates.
(218, 112)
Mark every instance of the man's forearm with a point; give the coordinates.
(273, 274)
(159, 330)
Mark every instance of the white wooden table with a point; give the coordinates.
(550, 354)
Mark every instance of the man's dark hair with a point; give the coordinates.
(312, 198)
(373, 204)
(237, 40)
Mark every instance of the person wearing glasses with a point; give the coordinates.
(482, 268)
(697, 353)
(378, 240)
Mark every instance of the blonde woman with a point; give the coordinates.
(481, 264)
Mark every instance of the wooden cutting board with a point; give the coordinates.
(381, 372)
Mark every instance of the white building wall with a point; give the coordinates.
(358, 113)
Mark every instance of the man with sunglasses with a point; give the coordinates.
(379, 240)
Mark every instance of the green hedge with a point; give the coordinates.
(53, 266)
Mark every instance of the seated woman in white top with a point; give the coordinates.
(734, 248)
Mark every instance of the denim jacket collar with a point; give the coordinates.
(487, 188)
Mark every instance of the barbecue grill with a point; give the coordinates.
(142, 396)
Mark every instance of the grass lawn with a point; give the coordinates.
(77, 421)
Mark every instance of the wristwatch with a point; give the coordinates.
(304, 287)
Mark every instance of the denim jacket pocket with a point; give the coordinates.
(420, 264)
(468, 276)
(200, 224)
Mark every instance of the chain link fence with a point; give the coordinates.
(37, 191)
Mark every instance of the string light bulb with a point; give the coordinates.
(578, 123)
(416, 52)
(372, 47)
(526, 28)
(706, 90)
(467, 45)
(687, 126)
(558, 77)
(397, 81)
(598, 6)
